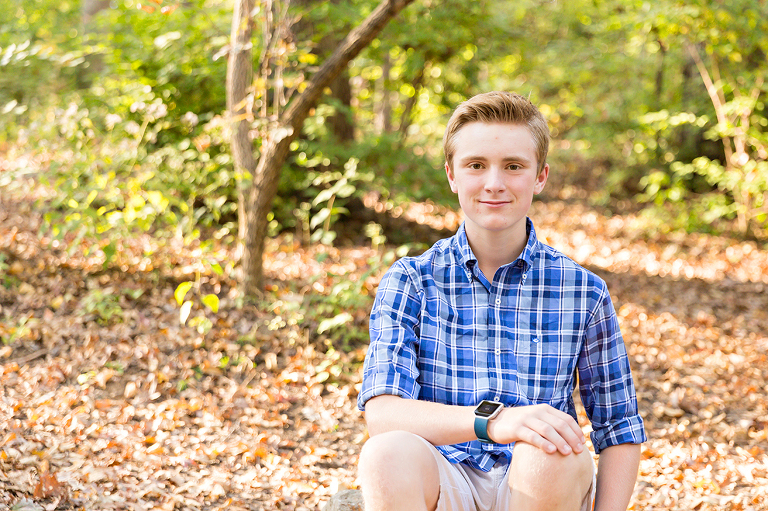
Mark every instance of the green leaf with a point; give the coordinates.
(181, 291)
(134, 293)
(109, 252)
(319, 218)
(323, 196)
(346, 190)
(334, 322)
(201, 323)
(212, 302)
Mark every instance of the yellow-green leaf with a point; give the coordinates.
(181, 291)
(212, 302)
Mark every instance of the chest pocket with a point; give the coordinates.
(544, 364)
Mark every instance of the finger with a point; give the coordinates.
(537, 440)
(551, 439)
(568, 428)
(557, 431)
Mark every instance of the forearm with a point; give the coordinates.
(439, 424)
(616, 477)
(539, 425)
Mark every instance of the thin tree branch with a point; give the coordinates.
(349, 48)
(715, 95)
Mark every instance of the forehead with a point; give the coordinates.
(494, 139)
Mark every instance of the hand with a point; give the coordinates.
(542, 426)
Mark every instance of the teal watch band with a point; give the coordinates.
(481, 429)
(484, 412)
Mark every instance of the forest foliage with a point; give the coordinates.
(131, 369)
(662, 103)
(657, 107)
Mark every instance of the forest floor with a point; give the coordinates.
(108, 402)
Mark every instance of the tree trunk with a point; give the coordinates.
(257, 201)
(340, 123)
(88, 10)
(95, 64)
(659, 92)
(406, 120)
(383, 114)
(239, 77)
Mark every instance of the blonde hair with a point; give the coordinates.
(498, 107)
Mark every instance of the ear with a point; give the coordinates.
(541, 180)
(451, 178)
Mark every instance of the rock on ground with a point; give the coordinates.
(347, 500)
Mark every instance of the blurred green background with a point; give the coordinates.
(658, 107)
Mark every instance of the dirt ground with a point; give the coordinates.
(107, 402)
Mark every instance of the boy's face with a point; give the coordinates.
(495, 175)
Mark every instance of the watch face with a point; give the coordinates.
(487, 408)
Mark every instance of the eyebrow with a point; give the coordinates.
(521, 159)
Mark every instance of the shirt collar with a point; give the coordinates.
(467, 257)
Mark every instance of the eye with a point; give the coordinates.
(514, 166)
(475, 166)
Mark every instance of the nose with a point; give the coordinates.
(494, 181)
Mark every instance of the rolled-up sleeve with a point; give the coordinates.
(607, 389)
(391, 362)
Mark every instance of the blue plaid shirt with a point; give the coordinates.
(440, 331)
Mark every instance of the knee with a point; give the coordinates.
(398, 469)
(393, 450)
(533, 468)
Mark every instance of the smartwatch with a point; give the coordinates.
(484, 412)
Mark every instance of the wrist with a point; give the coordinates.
(485, 412)
(493, 430)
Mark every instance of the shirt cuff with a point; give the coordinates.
(380, 384)
(629, 430)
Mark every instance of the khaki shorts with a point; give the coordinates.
(463, 488)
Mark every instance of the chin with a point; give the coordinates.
(502, 224)
(495, 226)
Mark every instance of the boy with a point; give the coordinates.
(476, 346)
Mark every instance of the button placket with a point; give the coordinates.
(494, 316)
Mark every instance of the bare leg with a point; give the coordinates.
(539, 481)
(398, 472)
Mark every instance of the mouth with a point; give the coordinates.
(494, 203)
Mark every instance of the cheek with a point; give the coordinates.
(526, 186)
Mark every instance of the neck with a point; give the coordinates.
(494, 251)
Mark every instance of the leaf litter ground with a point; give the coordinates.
(106, 402)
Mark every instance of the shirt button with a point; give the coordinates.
(498, 351)
(525, 276)
(498, 301)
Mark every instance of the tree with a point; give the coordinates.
(88, 10)
(728, 46)
(340, 123)
(258, 192)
